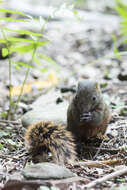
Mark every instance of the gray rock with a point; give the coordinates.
(46, 99)
(46, 171)
(46, 108)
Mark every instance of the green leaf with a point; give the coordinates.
(75, 12)
(41, 43)
(123, 112)
(22, 49)
(5, 52)
(23, 32)
(17, 67)
(103, 85)
(46, 58)
(12, 19)
(124, 41)
(12, 11)
(36, 60)
(27, 48)
(4, 114)
(116, 52)
(3, 41)
(122, 12)
(16, 39)
(43, 70)
(23, 64)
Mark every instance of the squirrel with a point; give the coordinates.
(87, 116)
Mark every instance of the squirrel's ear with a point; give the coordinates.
(97, 86)
(78, 85)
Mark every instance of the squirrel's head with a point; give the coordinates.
(88, 95)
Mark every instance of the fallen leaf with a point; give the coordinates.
(51, 81)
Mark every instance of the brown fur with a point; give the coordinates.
(92, 130)
(83, 103)
(47, 137)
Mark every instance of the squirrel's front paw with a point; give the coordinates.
(85, 117)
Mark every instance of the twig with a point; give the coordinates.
(113, 151)
(119, 117)
(106, 178)
(9, 121)
(99, 149)
(100, 164)
(14, 157)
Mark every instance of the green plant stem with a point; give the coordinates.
(24, 82)
(28, 70)
(10, 73)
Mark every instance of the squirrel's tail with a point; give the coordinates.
(47, 137)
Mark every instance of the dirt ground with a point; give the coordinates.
(81, 51)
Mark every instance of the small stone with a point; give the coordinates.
(123, 75)
(46, 171)
(44, 188)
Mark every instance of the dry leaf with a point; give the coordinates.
(51, 81)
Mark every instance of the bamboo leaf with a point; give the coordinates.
(16, 39)
(12, 19)
(122, 12)
(12, 11)
(27, 48)
(43, 70)
(22, 49)
(4, 52)
(36, 60)
(3, 41)
(46, 58)
(41, 43)
(23, 64)
(23, 32)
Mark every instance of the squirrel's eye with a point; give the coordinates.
(94, 98)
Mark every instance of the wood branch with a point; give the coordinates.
(9, 121)
(112, 151)
(100, 164)
(106, 178)
(99, 149)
